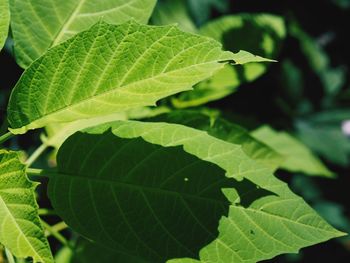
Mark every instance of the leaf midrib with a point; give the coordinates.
(121, 89)
(140, 187)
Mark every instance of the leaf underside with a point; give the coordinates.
(38, 25)
(108, 69)
(20, 228)
(264, 218)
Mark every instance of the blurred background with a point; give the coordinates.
(306, 93)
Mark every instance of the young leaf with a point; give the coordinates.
(263, 221)
(39, 25)
(113, 68)
(261, 34)
(4, 21)
(298, 157)
(146, 189)
(20, 228)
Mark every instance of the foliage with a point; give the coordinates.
(4, 21)
(134, 177)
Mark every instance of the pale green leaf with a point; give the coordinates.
(227, 131)
(20, 228)
(171, 12)
(261, 34)
(4, 21)
(110, 69)
(262, 222)
(298, 157)
(38, 25)
(57, 133)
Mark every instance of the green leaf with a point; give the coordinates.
(332, 79)
(261, 34)
(298, 157)
(227, 131)
(4, 21)
(202, 10)
(39, 25)
(86, 250)
(57, 133)
(161, 184)
(171, 12)
(326, 127)
(20, 228)
(110, 69)
(262, 221)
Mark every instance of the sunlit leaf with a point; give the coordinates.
(4, 21)
(38, 25)
(173, 11)
(110, 69)
(298, 157)
(20, 228)
(227, 131)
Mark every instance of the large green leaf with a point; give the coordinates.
(227, 131)
(38, 25)
(262, 221)
(4, 21)
(160, 185)
(261, 34)
(298, 157)
(20, 228)
(113, 68)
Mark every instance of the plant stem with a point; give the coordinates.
(5, 137)
(34, 172)
(59, 226)
(46, 212)
(9, 256)
(36, 154)
(56, 234)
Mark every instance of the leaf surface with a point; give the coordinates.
(38, 25)
(298, 157)
(4, 21)
(264, 219)
(110, 69)
(20, 228)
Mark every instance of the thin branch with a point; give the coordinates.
(36, 154)
(9, 256)
(56, 234)
(5, 137)
(34, 172)
(46, 212)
